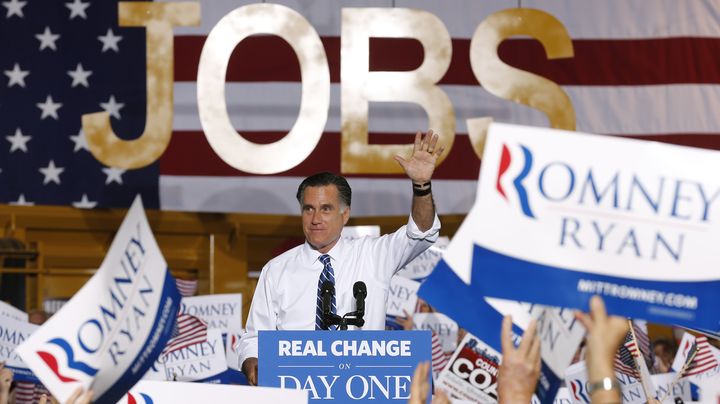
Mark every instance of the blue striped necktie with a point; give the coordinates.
(327, 275)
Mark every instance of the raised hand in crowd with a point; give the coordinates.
(79, 396)
(605, 334)
(6, 378)
(520, 367)
(420, 387)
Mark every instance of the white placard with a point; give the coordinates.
(471, 373)
(113, 329)
(221, 311)
(576, 380)
(148, 392)
(640, 229)
(196, 362)
(9, 311)
(402, 295)
(12, 334)
(443, 326)
(667, 388)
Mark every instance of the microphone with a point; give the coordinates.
(327, 290)
(360, 293)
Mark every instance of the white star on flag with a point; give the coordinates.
(84, 203)
(18, 141)
(113, 175)
(14, 7)
(112, 107)
(80, 141)
(110, 41)
(51, 173)
(22, 202)
(79, 76)
(77, 9)
(47, 39)
(49, 108)
(16, 76)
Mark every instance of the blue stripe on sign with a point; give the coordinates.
(449, 295)
(161, 331)
(23, 375)
(689, 304)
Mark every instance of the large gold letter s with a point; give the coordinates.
(514, 84)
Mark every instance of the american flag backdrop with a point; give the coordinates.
(61, 59)
(641, 68)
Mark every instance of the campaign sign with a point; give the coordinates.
(402, 295)
(9, 311)
(574, 215)
(562, 397)
(471, 374)
(12, 334)
(149, 392)
(706, 362)
(196, 362)
(443, 326)
(109, 334)
(221, 311)
(343, 366)
(576, 380)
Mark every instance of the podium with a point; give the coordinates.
(343, 367)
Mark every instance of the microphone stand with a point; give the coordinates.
(352, 318)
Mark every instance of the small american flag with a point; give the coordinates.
(29, 393)
(625, 357)
(439, 359)
(704, 359)
(25, 393)
(643, 341)
(187, 287)
(189, 330)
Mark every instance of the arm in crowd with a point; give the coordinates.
(6, 378)
(420, 387)
(605, 334)
(520, 367)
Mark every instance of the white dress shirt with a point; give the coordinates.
(286, 294)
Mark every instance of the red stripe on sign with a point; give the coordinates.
(603, 62)
(189, 153)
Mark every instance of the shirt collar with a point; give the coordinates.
(311, 255)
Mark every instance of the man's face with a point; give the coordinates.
(322, 216)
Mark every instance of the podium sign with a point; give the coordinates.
(343, 366)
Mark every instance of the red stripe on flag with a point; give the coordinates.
(189, 153)
(596, 61)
